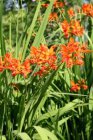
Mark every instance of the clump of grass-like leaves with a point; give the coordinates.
(46, 72)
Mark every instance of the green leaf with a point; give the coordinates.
(2, 45)
(45, 134)
(64, 120)
(31, 30)
(91, 99)
(43, 25)
(68, 107)
(21, 112)
(23, 136)
(41, 95)
(67, 77)
(1, 118)
(3, 138)
(53, 34)
(22, 116)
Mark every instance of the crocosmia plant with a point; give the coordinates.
(46, 70)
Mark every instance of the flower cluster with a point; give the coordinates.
(81, 84)
(8, 62)
(44, 58)
(56, 4)
(72, 28)
(53, 16)
(73, 53)
(71, 12)
(87, 9)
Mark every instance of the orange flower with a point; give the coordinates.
(44, 58)
(53, 16)
(71, 12)
(1, 65)
(45, 5)
(76, 28)
(72, 28)
(14, 65)
(82, 84)
(84, 48)
(85, 87)
(87, 9)
(56, 4)
(26, 68)
(7, 59)
(77, 86)
(74, 87)
(72, 53)
(66, 28)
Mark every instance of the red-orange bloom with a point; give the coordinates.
(44, 58)
(72, 28)
(84, 87)
(15, 66)
(26, 68)
(45, 5)
(76, 28)
(74, 87)
(56, 4)
(87, 9)
(53, 16)
(73, 53)
(71, 12)
(1, 65)
(66, 28)
(7, 59)
(82, 84)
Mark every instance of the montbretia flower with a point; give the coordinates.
(44, 58)
(82, 84)
(26, 68)
(72, 28)
(66, 28)
(1, 65)
(15, 65)
(76, 28)
(45, 5)
(7, 59)
(87, 9)
(71, 12)
(75, 87)
(56, 4)
(73, 53)
(53, 16)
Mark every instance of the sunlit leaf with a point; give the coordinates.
(45, 134)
